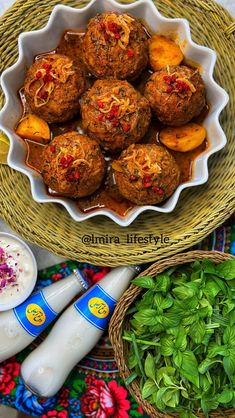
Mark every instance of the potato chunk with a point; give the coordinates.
(34, 128)
(163, 52)
(183, 138)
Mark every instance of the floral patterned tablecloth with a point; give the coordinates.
(94, 388)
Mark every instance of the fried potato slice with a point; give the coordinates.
(34, 128)
(163, 52)
(183, 138)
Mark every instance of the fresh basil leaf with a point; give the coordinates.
(208, 405)
(206, 364)
(169, 320)
(167, 346)
(190, 319)
(157, 398)
(146, 282)
(170, 371)
(229, 306)
(163, 282)
(197, 331)
(146, 316)
(183, 292)
(226, 270)
(205, 308)
(171, 398)
(204, 382)
(148, 389)
(149, 366)
(208, 266)
(161, 303)
(211, 290)
(177, 358)
(229, 336)
(181, 339)
(229, 365)
(132, 361)
(184, 393)
(146, 301)
(216, 349)
(189, 367)
(226, 396)
(187, 414)
(167, 380)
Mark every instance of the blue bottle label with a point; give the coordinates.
(35, 314)
(96, 306)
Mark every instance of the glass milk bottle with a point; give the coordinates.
(21, 325)
(75, 334)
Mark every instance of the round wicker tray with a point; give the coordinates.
(119, 322)
(199, 210)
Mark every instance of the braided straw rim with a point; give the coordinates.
(119, 322)
(199, 210)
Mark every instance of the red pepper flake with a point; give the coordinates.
(126, 127)
(38, 74)
(114, 28)
(147, 185)
(53, 149)
(47, 78)
(100, 104)
(182, 86)
(100, 117)
(43, 95)
(115, 122)
(158, 190)
(46, 67)
(70, 177)
(169, 89)
(110, 116)
(147, 177)
(117, 36)
(70, 159)
(130, 52)
(66, 161)
(133, 178)
(77, 175)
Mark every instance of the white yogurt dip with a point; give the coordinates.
(18, 271)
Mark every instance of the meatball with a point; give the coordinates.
(115, 45)
(176, 94)
(73, 165)
(115, 114)
(146, 174)
(53, 86)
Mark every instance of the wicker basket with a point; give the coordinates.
(118, 323)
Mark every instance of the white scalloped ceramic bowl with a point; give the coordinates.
(46, 39)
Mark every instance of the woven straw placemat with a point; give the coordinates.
(199, 210)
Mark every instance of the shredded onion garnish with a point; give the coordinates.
(117, 27)
(140, 163)
(53, 70)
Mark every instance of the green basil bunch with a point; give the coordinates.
(182, 338)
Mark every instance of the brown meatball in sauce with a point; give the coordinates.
(53, 86)
(73, 165)
(115, 114)
(176, 94)
(146, 174)
(115, 45)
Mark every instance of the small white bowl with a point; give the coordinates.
(46, 39)
(32, 280)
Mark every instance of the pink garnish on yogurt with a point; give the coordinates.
(8, 270)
